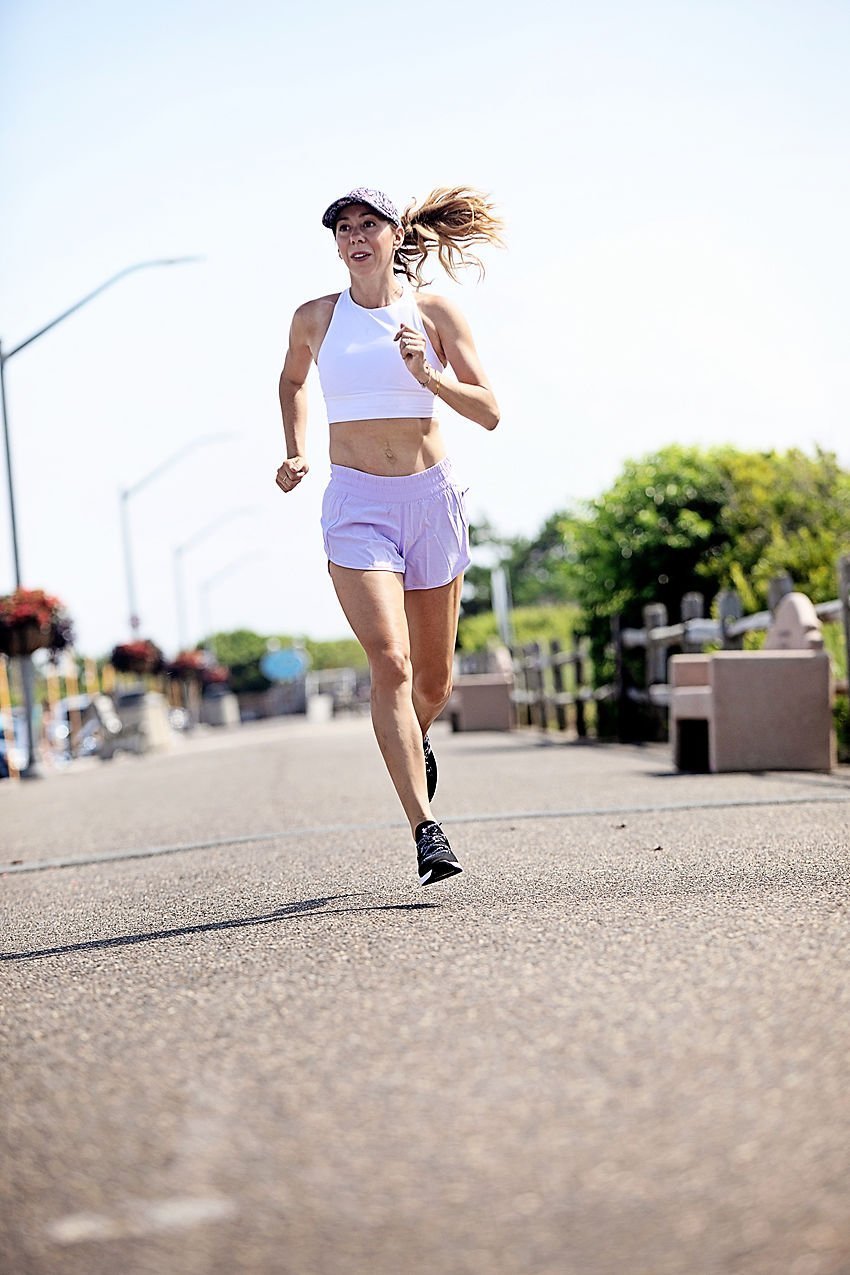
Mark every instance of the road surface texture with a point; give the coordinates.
(237, 1036)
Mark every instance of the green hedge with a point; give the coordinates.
(531, 624)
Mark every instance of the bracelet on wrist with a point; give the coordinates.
(432, 375)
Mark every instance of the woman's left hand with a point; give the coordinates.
(412, 347)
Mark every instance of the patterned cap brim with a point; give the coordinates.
(374, 199)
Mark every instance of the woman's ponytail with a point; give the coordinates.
(447, 222)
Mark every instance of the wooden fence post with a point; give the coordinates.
(779, 586)
(844, 595)
(535, 654)
(72, 690)
(693, 608)
(8, 717)
(558, 683)
(655, 617)
(578, 682)
(729, 608)
(620, 689)
(520, 685)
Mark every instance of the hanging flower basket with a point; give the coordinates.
(215, 675)
(32, 620)
(188, 665)
(138, 657)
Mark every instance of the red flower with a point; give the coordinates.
(26, 606)
(26, 610)
(217, 675)
(188, 662)
(139, 656)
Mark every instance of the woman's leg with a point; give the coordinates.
(374, 605)
(432, 624)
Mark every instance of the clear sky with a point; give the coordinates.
(676, 183)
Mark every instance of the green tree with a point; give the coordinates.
(537, 567)
(786, 511)
(336, 653)
(477, 593)
(241, 651)
(685, 518)
(241, 646)
(530, 624)
(691, 519)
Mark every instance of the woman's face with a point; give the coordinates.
(366, 242)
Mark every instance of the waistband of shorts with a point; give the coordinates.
(395, 487)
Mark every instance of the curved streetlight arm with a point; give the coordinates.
(140, 265)
(219, 575)
(201, 441)
(211, 527)
(203, 534)
(127, 492)
(231, 566)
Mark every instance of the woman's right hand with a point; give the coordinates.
(293, 469)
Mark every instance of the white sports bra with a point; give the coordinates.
(362, 373)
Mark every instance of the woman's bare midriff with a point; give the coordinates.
(387, 447)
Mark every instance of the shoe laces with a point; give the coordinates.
(431, 838)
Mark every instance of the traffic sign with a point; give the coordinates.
(286, 665)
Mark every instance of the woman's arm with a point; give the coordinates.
(293, 400)
(469, 395)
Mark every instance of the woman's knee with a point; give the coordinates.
(432, 686)
(390, 666)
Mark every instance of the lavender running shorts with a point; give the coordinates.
(414, 524)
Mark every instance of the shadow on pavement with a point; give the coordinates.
(797, 778)
(298, 908)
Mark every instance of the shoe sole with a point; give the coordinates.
(439, 872)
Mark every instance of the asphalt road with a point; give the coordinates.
(238, 1037)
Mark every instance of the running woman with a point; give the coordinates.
(393, 516)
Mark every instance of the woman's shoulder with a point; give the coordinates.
(432, 304)
(317, 308)
(312, 319)
(442, 312)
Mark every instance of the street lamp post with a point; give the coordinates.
(127, 492)
(30, 769)
(9, 475)
(179, 551)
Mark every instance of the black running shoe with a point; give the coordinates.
(430, 767)
(434, 854)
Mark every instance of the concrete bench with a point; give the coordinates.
(481, 701)
(757, 710)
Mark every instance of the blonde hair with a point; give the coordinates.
(447, 223)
